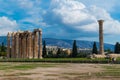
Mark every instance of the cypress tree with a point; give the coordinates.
(74, 49)
(117, 47)
(94, 50)
(58, 52)
(44, 49)
(2, 47)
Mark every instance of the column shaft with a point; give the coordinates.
(101, 43)
(17, 45)
(8, 45)
(40, 44)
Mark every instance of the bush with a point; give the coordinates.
(50, 55)
(82, 55)
(62, 55)
(3, 54)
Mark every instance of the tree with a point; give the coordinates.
(74, 49)
(94, 50)
(2, 50)
(58, 52)
(44, 49)
(117, 47)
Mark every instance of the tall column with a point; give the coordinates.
(14, 46)
(30, 55)
(40, 45)
(17, 45)
(27, 44)
(32, 45)
(20, 45)
(101, 43)
(35, 45)
(24, 46)
(12, 54)
(8, 45)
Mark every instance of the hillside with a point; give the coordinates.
(66, 43)
(80, 43)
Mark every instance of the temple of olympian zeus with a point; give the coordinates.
(24, 44)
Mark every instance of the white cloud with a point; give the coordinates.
(7, 25)
(80, 17)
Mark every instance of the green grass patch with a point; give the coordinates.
(111, 70)
(25, 66)
(59, 60)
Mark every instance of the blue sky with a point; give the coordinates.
(62, 19)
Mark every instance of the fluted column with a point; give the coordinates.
(35, 45)
(30, 55)
(24, 46)
(40, 45)
(32, 47)
(8, 45)
(20, 46)
(12, 54)
(101, 43)
(17, 45)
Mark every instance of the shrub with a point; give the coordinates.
(82, 55)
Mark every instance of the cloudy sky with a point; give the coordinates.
(62, 19)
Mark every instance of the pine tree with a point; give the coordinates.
(74, 50)
(44, 49)
(58, 52)
(3, 47)
(94, 50)
(117, 47)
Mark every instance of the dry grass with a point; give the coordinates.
(59, 71)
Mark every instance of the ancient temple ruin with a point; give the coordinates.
(24, 44)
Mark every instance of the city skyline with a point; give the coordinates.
(62, 19)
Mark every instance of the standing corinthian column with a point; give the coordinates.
(40, 44)
(17, 45)
(8, 45)
(12, 54)
(35, 44)
(30, 55)
(101, 46)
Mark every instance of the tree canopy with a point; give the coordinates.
(74, 49)
(94, 49)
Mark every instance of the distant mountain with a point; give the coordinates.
(66, 43)
(80, 43)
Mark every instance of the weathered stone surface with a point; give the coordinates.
(101, 46)
(25, 44)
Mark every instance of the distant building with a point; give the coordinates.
(85, 50)
(54, 49)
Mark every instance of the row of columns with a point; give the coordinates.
(24, 44)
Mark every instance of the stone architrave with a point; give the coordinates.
(101, 46)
